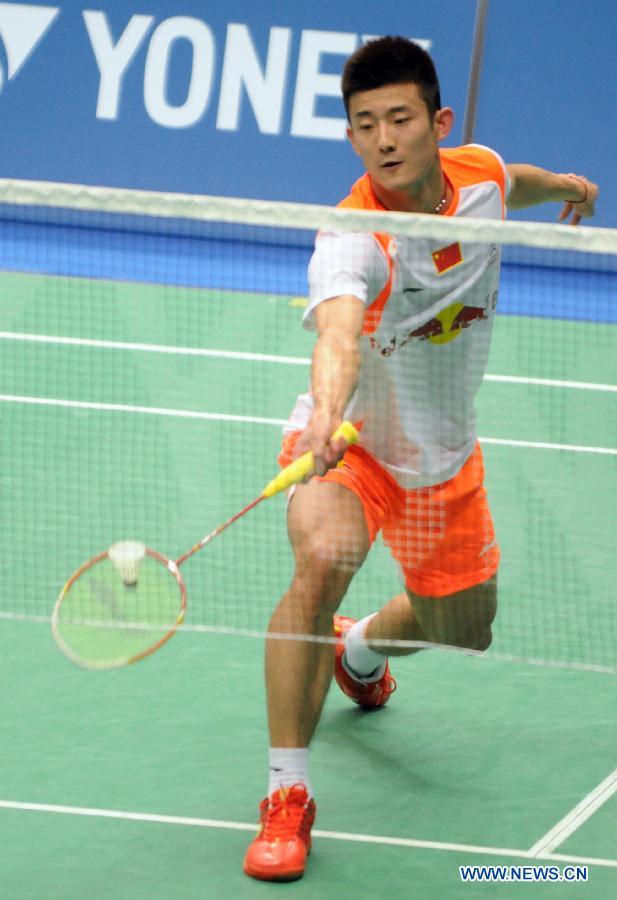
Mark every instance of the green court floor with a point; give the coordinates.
(474, 761)
(472, 752)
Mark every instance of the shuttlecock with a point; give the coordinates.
(126, 557)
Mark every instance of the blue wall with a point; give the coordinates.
(548, 93)
(241, 99)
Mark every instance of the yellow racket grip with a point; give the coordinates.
(300, 468)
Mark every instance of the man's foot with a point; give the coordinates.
(365, 693)
(279, 851)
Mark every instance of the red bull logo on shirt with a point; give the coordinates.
(443, 328)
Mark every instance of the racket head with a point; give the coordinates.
(99, 622)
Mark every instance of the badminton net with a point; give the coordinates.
(152, 350)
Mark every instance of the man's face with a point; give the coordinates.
(393, 133)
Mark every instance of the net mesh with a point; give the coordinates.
(152, 351)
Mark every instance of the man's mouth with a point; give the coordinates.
(391, 164)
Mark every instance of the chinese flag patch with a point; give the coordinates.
(447, 257)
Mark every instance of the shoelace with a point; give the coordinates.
(387, 688)
(284, 816)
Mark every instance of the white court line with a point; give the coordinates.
(576, 817)
(328, 835)
(266, 357)
(552, 382)
(154, 348)
(542, 445)
(256, 420)
(148, 410)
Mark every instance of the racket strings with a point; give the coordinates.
(102, 619)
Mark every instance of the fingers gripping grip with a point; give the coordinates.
(304, 466)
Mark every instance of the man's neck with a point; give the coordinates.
(433, 198)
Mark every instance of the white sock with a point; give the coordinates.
(360, 660)
(288, 766)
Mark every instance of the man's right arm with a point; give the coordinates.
(334, 375)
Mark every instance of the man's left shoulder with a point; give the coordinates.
(470, 154)
(472, 164)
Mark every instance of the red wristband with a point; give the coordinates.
(580, 181)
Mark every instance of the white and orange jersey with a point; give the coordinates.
(427, 327)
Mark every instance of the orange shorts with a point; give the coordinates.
(441, 536)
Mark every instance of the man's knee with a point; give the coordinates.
(324, 567)
(322, 575)
(326, 555)
(486, 610)
(478, 610)
(463, 619)
(328, 533)
(480, 640)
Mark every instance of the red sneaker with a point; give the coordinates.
(279, 850)
(366, 694)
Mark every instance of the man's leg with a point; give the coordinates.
(462, 619)
(330, 540)
(443, 531)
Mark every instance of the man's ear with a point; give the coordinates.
(443, 122)
(351, 140)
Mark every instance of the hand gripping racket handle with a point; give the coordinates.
(300, 468)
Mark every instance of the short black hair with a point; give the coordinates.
(391, 60)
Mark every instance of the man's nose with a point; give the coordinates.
(386, 140)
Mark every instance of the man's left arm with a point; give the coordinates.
(531, 185)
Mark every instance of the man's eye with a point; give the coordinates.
(401, 120)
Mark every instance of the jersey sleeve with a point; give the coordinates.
(507, 181)
(344, 263)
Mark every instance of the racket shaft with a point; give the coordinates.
(210, 537)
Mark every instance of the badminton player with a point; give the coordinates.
(403, 334)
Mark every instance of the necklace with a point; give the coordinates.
(442, 202)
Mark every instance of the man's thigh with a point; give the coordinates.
(443, 536)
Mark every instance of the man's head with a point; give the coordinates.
(391, 60)
(396, 121)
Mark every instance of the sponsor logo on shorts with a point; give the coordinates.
(488, 547)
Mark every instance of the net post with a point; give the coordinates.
(475, 68)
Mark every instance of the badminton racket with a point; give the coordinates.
(128, 601)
